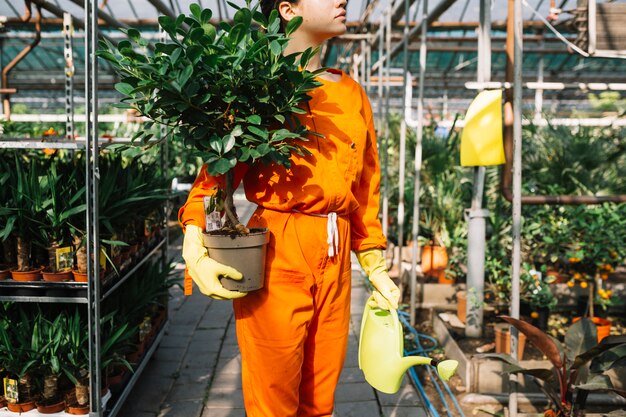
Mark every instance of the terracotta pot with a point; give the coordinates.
(21, 407)
(434, 259)
(603, 326)
(56, 276)
(3, 401)
(442, 278)
(77, 410)
(52, 408)
(34, 274)
(461, 305)
(5, 272)
(80, 276)
(503, 341)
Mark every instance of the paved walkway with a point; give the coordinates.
(196, 371)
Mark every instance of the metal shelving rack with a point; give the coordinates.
(93, 292)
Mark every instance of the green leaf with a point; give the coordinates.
(261, 132)
(195, 34)
(209, 30)
(185, 75)
(293, 25)
(243, 16)
(206, 15)
(276, 48)
(125, 88)
(229, 143)
(196, 10)
(219, 167)
(255, 119)
(133, 34)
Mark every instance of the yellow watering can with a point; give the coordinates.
(381, 348)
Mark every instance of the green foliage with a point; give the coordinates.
(579, 366)
(226, 90)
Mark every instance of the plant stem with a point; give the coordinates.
(232, 219)
(23, 254)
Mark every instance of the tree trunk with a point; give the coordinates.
(81, 255)
(25, 388)
(82, 394)
(232, 220)
(23, 254)
(50, 386)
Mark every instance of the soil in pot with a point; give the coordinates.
(244, 253)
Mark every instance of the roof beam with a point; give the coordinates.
(162, 8)
(104, 16)
(398, 10)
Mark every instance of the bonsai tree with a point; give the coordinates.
(228, 91)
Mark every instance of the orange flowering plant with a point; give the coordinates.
(599, 243)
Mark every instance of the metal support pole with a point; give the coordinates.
(417, 163)
(517, 191)
(539, 91)
(68, 32)
(93, 232)
(476, 214)
(402, 167)
(362, 62)
(387, 68)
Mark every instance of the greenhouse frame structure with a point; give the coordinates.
(454, 46)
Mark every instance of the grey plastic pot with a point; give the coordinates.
(244, 253)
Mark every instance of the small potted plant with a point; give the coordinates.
(18, 358)
(227, 91)
(76, 363)
(48, 345)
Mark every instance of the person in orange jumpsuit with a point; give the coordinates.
(293, 333)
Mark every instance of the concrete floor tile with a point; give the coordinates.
(357, 409)
(162, 368)
(172, 354)
(351, 375)
(230, 365)
(346, 393)
(171, 341)
(225, 398)
(182, 409)
(406, 396)
(223, 412)
(225, 380)
(184, 390)
(146, 395)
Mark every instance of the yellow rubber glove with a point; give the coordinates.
(386, 293)
(205, 271)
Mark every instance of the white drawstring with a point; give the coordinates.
(331, 229)
(333, 234)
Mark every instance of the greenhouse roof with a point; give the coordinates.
(452, 40)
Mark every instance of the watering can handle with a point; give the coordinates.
(392, 311)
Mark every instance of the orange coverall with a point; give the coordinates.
(293, 333)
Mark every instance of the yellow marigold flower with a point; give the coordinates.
(584, 284)
(570, 283)
(534, 315)
(609, 293)
(577, 276)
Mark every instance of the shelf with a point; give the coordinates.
(60, 143)
(44, 292)
(68, 291)
(117, 282)
(119, 401)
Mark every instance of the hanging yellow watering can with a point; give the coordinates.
(481, 139)
(381, 352)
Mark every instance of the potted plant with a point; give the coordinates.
(8, 256)
(116, 336)
(64, 199)
(18, 359)
(579, 366)
(23, 217)
(227, 91)
(49, 348)
(76, 364)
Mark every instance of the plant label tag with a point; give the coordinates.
(212, 217)
(103, 259)
(10, 390)
(64, 259)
